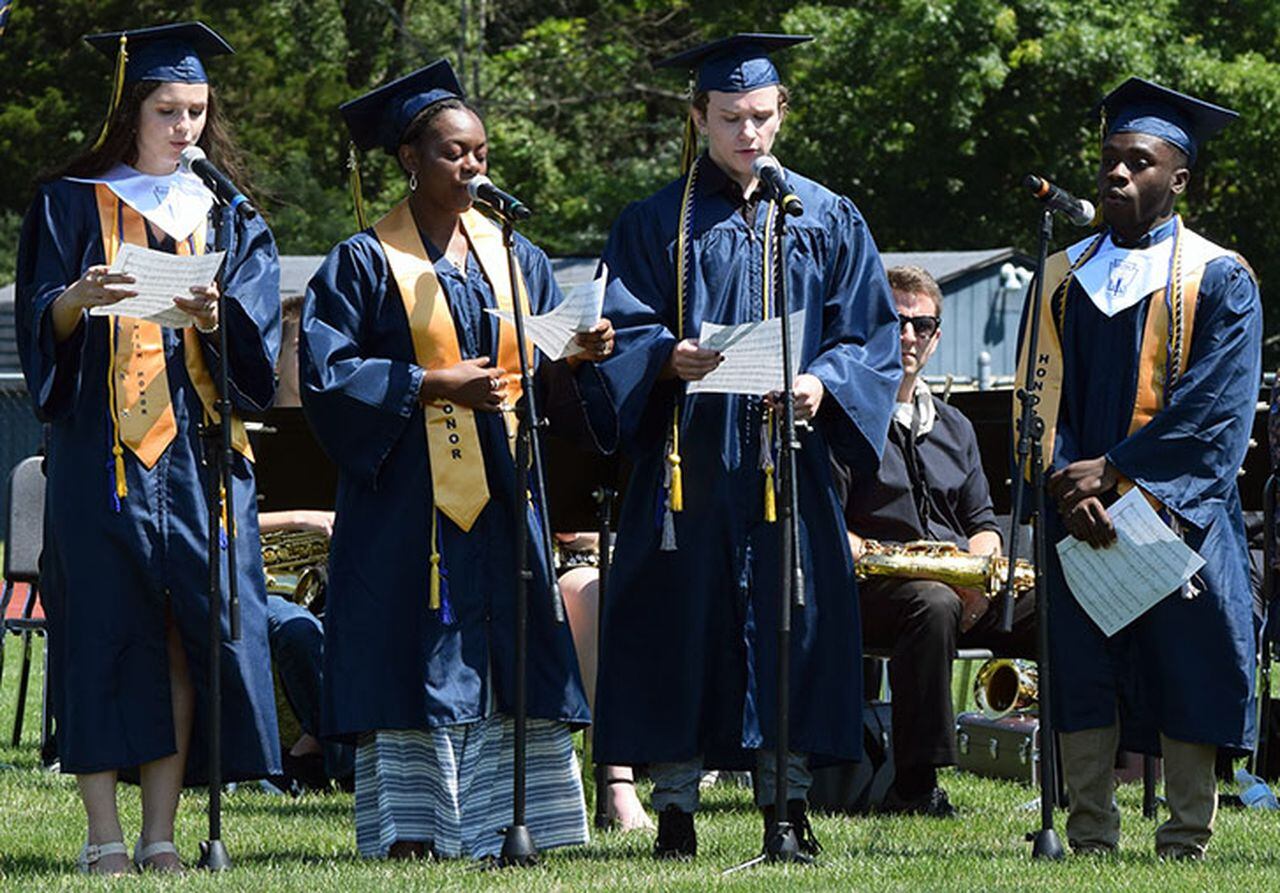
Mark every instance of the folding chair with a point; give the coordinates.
(25, 539)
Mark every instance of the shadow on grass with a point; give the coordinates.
(25, 866)
(287, 807)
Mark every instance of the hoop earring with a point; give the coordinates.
(413, 181)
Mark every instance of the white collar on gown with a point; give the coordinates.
(177, 203)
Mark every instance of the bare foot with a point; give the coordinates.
(623, 806)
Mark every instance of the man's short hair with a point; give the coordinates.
(291, 307)
(916, 280)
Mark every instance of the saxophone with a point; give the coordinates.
(944, 562)
(296, 565)
(1005, 686)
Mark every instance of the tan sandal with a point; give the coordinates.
(92, 853)
(142, 856)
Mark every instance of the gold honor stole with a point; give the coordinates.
(453, 441)
(1171, 313)
(137, 379)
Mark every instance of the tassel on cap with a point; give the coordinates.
(117, 92)
(689, 144)
(357, 186)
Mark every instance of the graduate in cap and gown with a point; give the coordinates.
(409, 386)
(687, 674)
(1150, 354)
(124, 574)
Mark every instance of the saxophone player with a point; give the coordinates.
(929, 486)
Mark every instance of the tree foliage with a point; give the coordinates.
(926, 112)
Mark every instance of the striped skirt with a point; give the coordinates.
(451, 788)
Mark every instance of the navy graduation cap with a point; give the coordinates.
(163, 52)
(381, 116)
(734, 64)
(1140, 106)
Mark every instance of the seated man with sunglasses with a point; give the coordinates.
(929, 486)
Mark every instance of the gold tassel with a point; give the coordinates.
(357, 187)
(689, 146)
(770, 500)
(675, 492)
(433, 600)
(122, 487)
(117, 91)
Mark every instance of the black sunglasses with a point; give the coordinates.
(924, 326)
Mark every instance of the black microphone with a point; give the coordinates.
(481, 189)
(1077, 210)
(767, 170)
(193, 160)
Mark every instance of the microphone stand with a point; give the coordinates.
(1030, 434)
(518, 848)
(781, 843)
(604, 496)
(218, 461)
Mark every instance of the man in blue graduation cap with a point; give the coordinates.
(1150, 351)
(687, 674)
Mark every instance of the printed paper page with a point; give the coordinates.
(752, 356)
(161, 277)
(1147, 563)
(554, 332)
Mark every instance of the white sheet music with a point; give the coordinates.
(1145, 564)
(554, 332)
(161, 277)
(752, 356)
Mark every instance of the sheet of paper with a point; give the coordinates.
(752, 356)
(1145, 565)
(554, 332)
(161, 277)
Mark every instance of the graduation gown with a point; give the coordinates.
(1186, 667)
(688, 659)
(390, 662)
(106, 573)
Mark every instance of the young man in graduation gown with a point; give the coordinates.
(929, 486)
(1149, 351)
(687, 674)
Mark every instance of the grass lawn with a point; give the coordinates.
(307, 844)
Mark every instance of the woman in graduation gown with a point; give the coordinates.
(125, 567)
(687, 674)
(407, 382)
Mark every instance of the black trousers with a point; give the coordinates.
(918, 622)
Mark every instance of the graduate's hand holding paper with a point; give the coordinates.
(752, 353)
(96, 287)
(689, 361)
(160, 278)
(556, 332)
(1145, 564)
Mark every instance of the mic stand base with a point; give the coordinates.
(780, 847)
(213, 856)
(518, 850)
(1045, 844)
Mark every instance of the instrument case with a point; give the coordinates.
(1008, 747)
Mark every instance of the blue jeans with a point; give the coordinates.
(296, 637)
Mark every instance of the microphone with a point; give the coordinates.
(194, 161)
(767, 170)
(481, 189)
(1077, 210)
